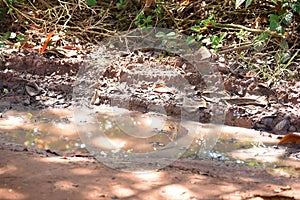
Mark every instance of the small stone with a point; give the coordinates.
(114, 197)
(267, 121)
(76, 185)
(281, 127)
(292, 129)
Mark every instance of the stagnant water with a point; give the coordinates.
(57, 130)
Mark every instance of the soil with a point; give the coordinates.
(29, 80)
(38, 174)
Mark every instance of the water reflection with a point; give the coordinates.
(119, 135)
(47, 129)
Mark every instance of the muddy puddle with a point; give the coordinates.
(127, 135)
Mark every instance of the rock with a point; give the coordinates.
(292, 129)
(281, 127)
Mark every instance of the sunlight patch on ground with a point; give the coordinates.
(11, 122)
(64, 160)
(122, 192)
(10, 194)
(81, 171)
(148, 176)
(7, 169)
(176, 191)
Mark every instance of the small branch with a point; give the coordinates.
(241, 27)
(241, 46)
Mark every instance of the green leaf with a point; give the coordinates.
(91, 2)
(274, 22)
(238, 3)
(199, 37)
(280, 30)
(248, 2)
(190, 39)
(10, 10)
(287, 18)
(296, 6)
(21, 38)
(209, 21)
(9, 1)
(263, 36)
(171, 35)
(7, 35)
(160, 34)
(196, 28)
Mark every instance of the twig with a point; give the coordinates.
(241, 27)
(241, 46)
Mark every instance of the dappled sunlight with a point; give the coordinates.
(61, 112)
(122, 191)
(44, 129)
(148, 175)
(246, 134)
(176, 191)
(108, 143)
(63, 160)
(81, 171)
(12, 122)
(258, 154)
(7, 169)
(11, 194)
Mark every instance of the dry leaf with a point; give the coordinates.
(290, 138)
(47, 41)
(184, 2)
(162, 89)
(70, 48)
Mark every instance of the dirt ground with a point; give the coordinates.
(29, 173)
(36, 174)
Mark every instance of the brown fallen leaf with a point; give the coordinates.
(162, 89)
(70, 48)
(290, 138)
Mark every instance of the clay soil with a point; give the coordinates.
(35, 82)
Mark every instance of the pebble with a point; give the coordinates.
(281, 127)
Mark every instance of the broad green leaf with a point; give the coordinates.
(238, 3)
(199, 37)
(91, 2)
(190, 39)
(274, 22)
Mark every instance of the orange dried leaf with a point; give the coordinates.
(47, 41)
(290, 138)
(184, 2)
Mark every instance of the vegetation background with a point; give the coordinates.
(260, 37)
